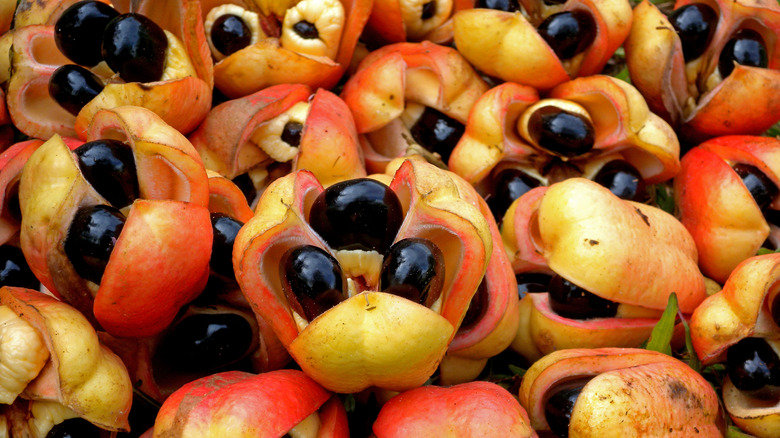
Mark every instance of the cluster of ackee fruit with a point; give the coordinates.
(389, 218)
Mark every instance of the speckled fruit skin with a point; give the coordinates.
(741, 309)
(372, 338)
(228, 403)
(630, 253)
(82, 373)
(473, 409)
(655, 61)
(624, 129)
(717, 208)
(489, 40)
(631, 392)
(160, 260)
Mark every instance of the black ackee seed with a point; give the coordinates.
(74, 428)
(508, 185)
(695, 24)
(428, 10)
(109, 166)
(360, 214)
(91, 238)
(568, 33)
(247, 187)
(291, 134)
(623, 180)
(560, 132)
(224, 229)
(229, 34)
(77, 31)
(134, 46)
(571, 301)
(73, 86)
(306, 30)
(312, 280)
(437, 132)
(14, 270)
(747, 48)
(477, 307)
(206, 341)
(499, 5)
(763, 190)
(532, 282)
(560, 406)
(754, 367)
(413, 269)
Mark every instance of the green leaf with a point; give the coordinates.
(693, 358)
(517, 371)
(764, 251)
(773, 131)
(661, 337)
(735, 432)
(664, 198)
(349, 403)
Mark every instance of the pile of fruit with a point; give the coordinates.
(389, 218)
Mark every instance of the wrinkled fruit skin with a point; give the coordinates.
(160, 260)
(225, 403)
(697, 104)
(467, 410)
(716, 206)
(371, 325)
(629, 392)
(581, 231)
(740, 310)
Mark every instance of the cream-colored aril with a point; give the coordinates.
(308, 428)
(423, 16)
(22, 354)
(327, 16)
(268, 136)
(47, 414)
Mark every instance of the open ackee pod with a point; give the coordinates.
(400, 93)
(744, 308)
(159, 261)
(631, 256)
(306, 42)
(75, 376)
(370, 338)
(494, 40)
(690, 91)
(278, 130)
(473, 409)
(719, 209)
(396, 21)
(181, 96)
(242, 404)
(505, 132)
(622, 392)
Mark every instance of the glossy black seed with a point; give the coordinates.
(559, 407)
(532, 282)
(14, 270)
(109, 166)
(554, 2)
(134, 46)
(73, 86)
(312, 280)
(437, 132)
(508, 185)
(247, 187)
(695, 24)
(206, 341)
(91, 238)
(499, 5)
(291, 134)
(76, 31)
(428, 10)
(560, 132)
(622, 179)
(225, 229)
(357, 214)
(568, 33)
(571, 301)
(763, 190)
(74, 428)
(747, 48)
(754, 367)
(229, 34)
(414, 269)
(477, 307)
(306, 30)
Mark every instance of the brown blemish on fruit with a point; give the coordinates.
(678, 391)
(643, 216)
(592, 242)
